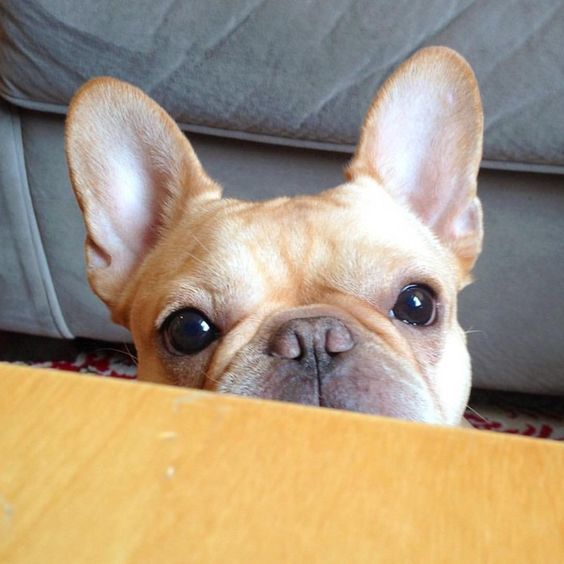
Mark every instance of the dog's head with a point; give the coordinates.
(345, 299)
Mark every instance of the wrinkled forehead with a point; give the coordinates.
(349, 237)
(346, 222)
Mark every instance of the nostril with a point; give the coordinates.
(338, 339)
(304, 339)
(286, 345)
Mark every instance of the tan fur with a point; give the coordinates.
(250, 267)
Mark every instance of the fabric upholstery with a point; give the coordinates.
(292, 72)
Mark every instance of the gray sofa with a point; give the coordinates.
(272, 94)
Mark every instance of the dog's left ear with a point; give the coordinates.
(422, 141)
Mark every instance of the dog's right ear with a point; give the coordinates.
(132, 171)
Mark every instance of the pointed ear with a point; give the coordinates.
(132, 171)
(422, 141)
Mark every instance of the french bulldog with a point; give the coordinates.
(346, 299)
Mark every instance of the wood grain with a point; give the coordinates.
(104, 471)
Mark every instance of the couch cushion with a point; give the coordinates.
(28, 298)
(301, 73)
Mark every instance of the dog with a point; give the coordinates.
(346, 299)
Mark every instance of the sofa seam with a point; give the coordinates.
(281, 141)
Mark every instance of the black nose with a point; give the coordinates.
(311, 340)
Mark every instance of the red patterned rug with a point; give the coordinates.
(532, 416)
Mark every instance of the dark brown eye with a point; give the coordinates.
(416, 305)
(188, 331)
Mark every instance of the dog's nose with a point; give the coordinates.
(311, 339)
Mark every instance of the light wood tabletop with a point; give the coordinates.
(104, 471)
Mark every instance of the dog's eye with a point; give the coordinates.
(188, 331)
(416, 305)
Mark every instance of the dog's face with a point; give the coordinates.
(346, 299)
